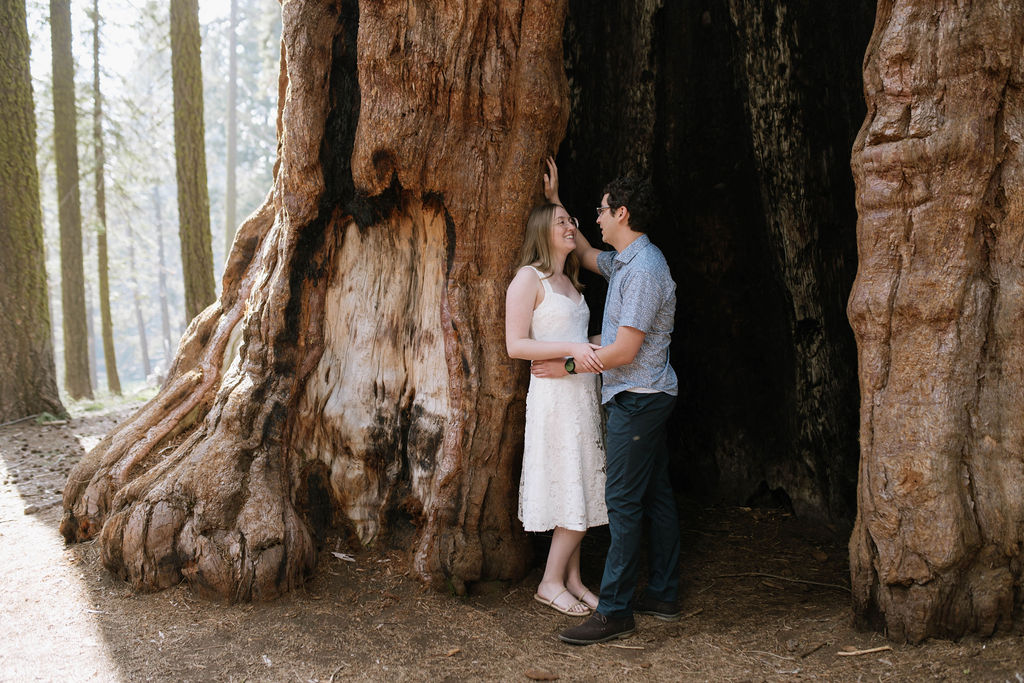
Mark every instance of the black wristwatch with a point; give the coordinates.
(570, 365)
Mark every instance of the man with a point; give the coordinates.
(639, 390)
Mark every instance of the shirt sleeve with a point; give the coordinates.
(641, 300)
(604, 263)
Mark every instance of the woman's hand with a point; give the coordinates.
(552, 368)
(551, 182)
(586, 359)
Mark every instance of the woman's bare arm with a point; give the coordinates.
(520, 300)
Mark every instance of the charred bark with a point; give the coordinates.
(937, 312)
(354, 367)
(743, 113)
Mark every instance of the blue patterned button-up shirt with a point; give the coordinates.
(642, 295)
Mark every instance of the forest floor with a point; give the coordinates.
(751, 613)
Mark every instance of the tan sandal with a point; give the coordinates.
(580, 598)
(568, 611)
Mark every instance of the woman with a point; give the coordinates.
(562, 485)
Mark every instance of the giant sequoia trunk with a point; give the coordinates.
(938, 311)
(353, 370)
(27, 374)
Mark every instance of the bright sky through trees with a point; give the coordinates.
(138, 137)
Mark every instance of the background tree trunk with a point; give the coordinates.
(165, 316)
(230, 189)
(937, 309)
(106, 325)
(27, 372)
(140, 320)
(90, 312)
(72, 281)
(369, 382)
(190, 154)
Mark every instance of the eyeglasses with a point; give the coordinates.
(602, 209)
(563, 221)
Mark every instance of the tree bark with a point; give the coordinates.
(165, 316)
(743, 114)
(106, 324)
(90, 312)
(72, 281)
(367, 381)
(231, 159)
(190, 155)
(938, 314)
(780, 44)
(27, 372)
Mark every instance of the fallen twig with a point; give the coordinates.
(692, 614)
(331, 679)
(814, 649)
(625, 647)
(20, 419)
(854, 653)
(770, 654)
(786, 578)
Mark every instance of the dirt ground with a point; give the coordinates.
(64, 617)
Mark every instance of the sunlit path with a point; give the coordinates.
(49, 623)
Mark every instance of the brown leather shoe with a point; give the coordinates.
(666, 611)
(598, 629)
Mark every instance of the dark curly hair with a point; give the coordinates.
(637, 195)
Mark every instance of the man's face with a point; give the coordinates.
(605, 219)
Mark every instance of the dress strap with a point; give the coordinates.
(544, 279)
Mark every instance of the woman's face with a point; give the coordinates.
(563, 231)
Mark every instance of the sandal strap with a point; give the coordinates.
(570, 608)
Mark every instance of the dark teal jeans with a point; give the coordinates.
(639, 495)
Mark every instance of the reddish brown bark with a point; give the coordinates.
(939, 319)
(27, 372)
(354, 368)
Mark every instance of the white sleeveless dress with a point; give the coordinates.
(563, 456)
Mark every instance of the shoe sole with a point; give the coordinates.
(661, 615)
(595, 641)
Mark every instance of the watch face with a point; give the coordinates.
(570, 366)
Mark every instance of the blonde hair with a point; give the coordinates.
(536, 249)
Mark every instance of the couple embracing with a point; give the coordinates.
(574, 477)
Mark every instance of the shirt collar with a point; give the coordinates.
(627, 254)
